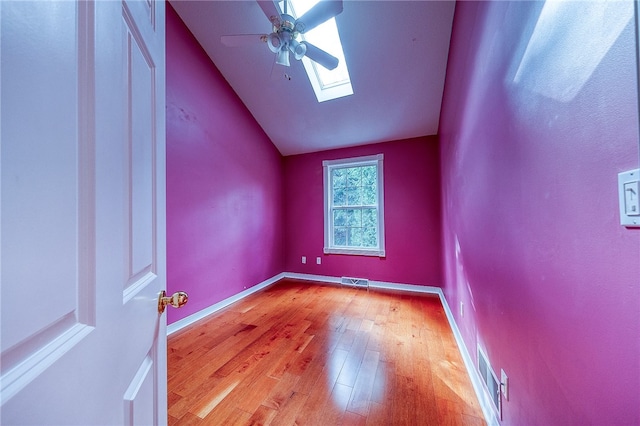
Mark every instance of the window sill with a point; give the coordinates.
(354, 251)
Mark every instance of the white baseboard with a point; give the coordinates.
(180, 324)
(485, 402)
(372, 284)
(483, 398)
(310, 277)
(405, 287)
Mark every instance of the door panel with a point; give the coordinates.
(82, 212)
(43, 177)
(141, 135)
(140, 396)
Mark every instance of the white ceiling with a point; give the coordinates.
(396, 52)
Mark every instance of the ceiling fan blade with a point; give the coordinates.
(270, 10)
(320, 56)
(324, 10)
(241, 39)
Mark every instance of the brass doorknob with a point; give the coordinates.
(177, 300)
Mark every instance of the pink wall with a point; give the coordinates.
(224, 183)
(532, 241)
(412, 215)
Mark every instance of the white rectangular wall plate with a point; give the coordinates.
(629, 203)
(504, 384)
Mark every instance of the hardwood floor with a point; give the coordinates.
(313, 354)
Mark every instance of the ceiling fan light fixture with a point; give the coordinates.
(298, 49)
(283, 57)
(274, 42)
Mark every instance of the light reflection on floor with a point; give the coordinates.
(442, 378)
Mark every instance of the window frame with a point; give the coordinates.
(327, 167)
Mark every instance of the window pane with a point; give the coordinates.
(369, 218)
(354, 196)
(354, 217)
(369, 175)
(339, 218)
(354, 237)
(369, 193)
(340, 236)
(370, 237)
(339, 178)
(354, 176)
(339, 197)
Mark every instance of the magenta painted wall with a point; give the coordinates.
(532, 243)
(412, 215)
(224, 183)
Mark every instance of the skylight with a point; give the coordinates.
(326, 84)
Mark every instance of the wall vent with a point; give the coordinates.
(490, 380)
(355, 282)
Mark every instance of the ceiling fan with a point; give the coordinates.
(285, 30)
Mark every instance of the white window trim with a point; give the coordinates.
(325, 93)
(327, 166)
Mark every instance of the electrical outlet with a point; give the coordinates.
(304, 259)
(318, 260)
(504, 384)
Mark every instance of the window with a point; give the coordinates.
(354, 206)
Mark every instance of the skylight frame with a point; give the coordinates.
(324, 91)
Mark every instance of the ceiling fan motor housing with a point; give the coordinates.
(287, 23)
(283, 37)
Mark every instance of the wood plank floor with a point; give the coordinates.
(300, 353)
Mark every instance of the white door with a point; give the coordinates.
(83, 218)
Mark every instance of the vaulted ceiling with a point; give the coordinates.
(396, 52)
